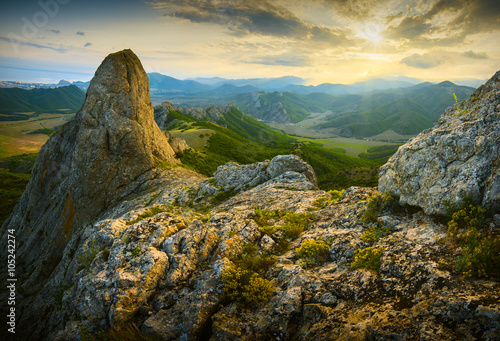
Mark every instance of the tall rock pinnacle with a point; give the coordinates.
(109, 149)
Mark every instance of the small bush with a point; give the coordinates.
(262, 217)
(296, 223)
(221, 196)
(87, 257)
(136, 252)
(149, 213)
(374, 233)
(368, 258)
(246, 287)
(480, 253)
(253, 260)
(269, 230)
(377, 203)
(312, 252)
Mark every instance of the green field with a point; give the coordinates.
(16, 137)
(351, 146)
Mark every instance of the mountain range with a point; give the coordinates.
(14, 101)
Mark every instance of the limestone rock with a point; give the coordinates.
(283, 168)
(457, 158)
(107, 152)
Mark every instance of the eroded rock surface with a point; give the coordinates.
(106, 153)
(457, 158)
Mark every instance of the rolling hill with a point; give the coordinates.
(14, 101)
(405, 110)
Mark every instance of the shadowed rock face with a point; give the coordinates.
(107, 151)
(457, 158)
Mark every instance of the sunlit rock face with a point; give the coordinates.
(459, 157)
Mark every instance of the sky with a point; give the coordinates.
(321, 41)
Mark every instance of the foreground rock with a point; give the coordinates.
(457, 158)
(163, 273)
(107, 152)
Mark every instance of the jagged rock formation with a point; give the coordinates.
(256, 107)
(211, 113)
(164, 273)
(239, 177)
(457, 158)
(107, 152)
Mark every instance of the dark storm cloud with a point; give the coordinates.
(258, 17)
(425, 61)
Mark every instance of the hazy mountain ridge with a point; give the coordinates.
(15, 100)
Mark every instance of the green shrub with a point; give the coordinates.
(87, 257)
(480, 253)
(312, 252)
(377, 203)
(262, 217)
(149, 213)
(253, 260)
(136, 252)
(221, 196)
(269, 229)
(374, 233)
(245, 286)
(469, 218)
(481, 257)
(296, 223)
(368, 258)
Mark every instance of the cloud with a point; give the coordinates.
(473, 55)
(38, 46)
(55, 31)
(425, 61)
(87, 45)
(285, 59)
(80, 33)
(258, 17)
(444, 22)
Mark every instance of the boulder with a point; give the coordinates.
(458, 158)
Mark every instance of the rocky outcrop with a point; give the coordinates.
(253, 105)
(164, 273)
(210, 113)
(457, 158)
(107, 152)
(240, 177)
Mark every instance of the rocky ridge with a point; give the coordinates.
(156, 256)
(107, 152)
(459, 157)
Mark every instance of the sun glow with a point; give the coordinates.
(372, 32)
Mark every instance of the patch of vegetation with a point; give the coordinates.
(136, 252)
(262, 217)
(149, 213)
(59, 294)
(312, 252)
(45, 131)
(221, 196)
(377, 203)
(12, 186)
(367, 258)
(296, 223)
(379, 153)
(374, 233)
(246, 287)
(88, 256)
(325, 201)
(480, 252)
(253, 260)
